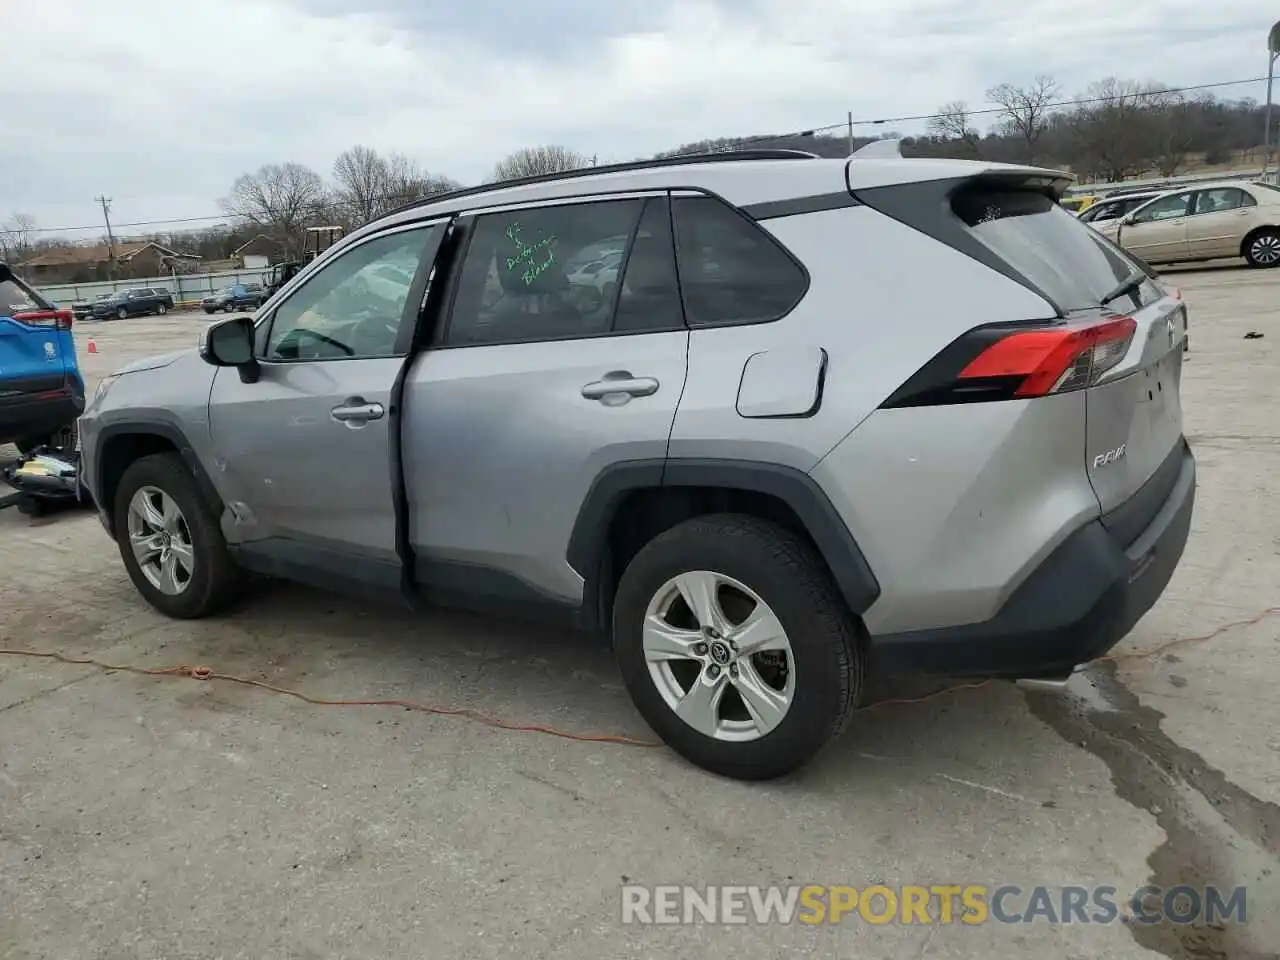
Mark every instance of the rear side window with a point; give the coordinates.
(1053, 250)
(731, 271)
(17, 297)
(565, 272)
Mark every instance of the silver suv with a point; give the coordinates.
(833, 416)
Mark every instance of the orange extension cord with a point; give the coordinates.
(206, 673)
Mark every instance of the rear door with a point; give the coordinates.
(33, 341)
(1218, 223)
(541, 378)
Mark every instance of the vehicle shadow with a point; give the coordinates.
(524, 673)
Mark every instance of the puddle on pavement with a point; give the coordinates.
(1216, 833)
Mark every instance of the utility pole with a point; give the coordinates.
(111, 240)
(850, 133)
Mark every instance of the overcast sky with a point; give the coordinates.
(161, 104)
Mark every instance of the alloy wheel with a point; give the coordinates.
(1265, 249)
(719, 656)
(161, 540)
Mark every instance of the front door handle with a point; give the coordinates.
(620, 382)
(357, 410)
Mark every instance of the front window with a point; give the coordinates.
(354, 307)
(1166, 208)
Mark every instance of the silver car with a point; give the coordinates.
(840, 416)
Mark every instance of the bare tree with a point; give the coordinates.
(1024, 111)
(408, 182)
(1110, 136)
(533, 161)
(16, 237)
(1170, 125)
(280, 199)
(360, 180)
(952, 123)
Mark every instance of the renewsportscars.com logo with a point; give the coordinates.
(970, 904)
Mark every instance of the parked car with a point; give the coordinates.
(767, 467)
(238, 296)
(139, 301)
(83, 309)
(41, 389)
(1209, 221)
(1078, 204)
(1117, 206)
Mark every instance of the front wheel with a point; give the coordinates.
(170, 540)
(161, 309)
(230, 307)
(122, 313)
(1263, 249)
(735, 645)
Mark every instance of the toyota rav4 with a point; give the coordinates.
(834, 416)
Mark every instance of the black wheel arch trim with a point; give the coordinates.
(823, 524)
(168, 430)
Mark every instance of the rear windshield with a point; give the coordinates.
(16, 297)
(1063, 257)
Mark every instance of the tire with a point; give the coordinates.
(122, 314)
(161, 309)
(209, 310)
(212, 579)
(824, 658)
(1262, 248)
(230, 307)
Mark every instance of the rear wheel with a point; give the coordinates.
(735, 645)
(1262, 249)
(122, 313)
(230, 307)
(170, 540)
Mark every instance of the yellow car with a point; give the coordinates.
(1080, 204)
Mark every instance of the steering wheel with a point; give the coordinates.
(299, 332)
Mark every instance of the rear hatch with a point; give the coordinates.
(1132, 403)
(35, 341)
(1109, 329)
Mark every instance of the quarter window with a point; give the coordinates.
(353, 307)
(566, 272)
(731, 271)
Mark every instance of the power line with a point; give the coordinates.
(807, 132)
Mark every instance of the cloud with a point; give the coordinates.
(160, 104)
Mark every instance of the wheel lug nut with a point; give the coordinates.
(713, 671)
(700, 649)
(733, 670)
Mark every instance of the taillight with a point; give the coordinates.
(1018, 362)
(59, 319)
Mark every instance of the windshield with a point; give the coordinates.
(1068, 260)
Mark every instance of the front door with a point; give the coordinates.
(1218, 222)
(564, 353)
(1159, 233)
(307, 448)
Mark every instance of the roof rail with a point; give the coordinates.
(675, 161)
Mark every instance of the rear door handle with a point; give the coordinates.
(357, 410)
(620, 382)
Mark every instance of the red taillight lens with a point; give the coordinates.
(1054, 360)
(59, 319)
(1018, 361)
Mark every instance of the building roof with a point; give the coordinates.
(99, 253)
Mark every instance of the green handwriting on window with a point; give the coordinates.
(531, 259)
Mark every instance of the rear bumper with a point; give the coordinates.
(35, 415)
(1078, 604)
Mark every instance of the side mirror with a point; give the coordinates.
(229, 343)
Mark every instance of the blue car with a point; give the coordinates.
(41, 389)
